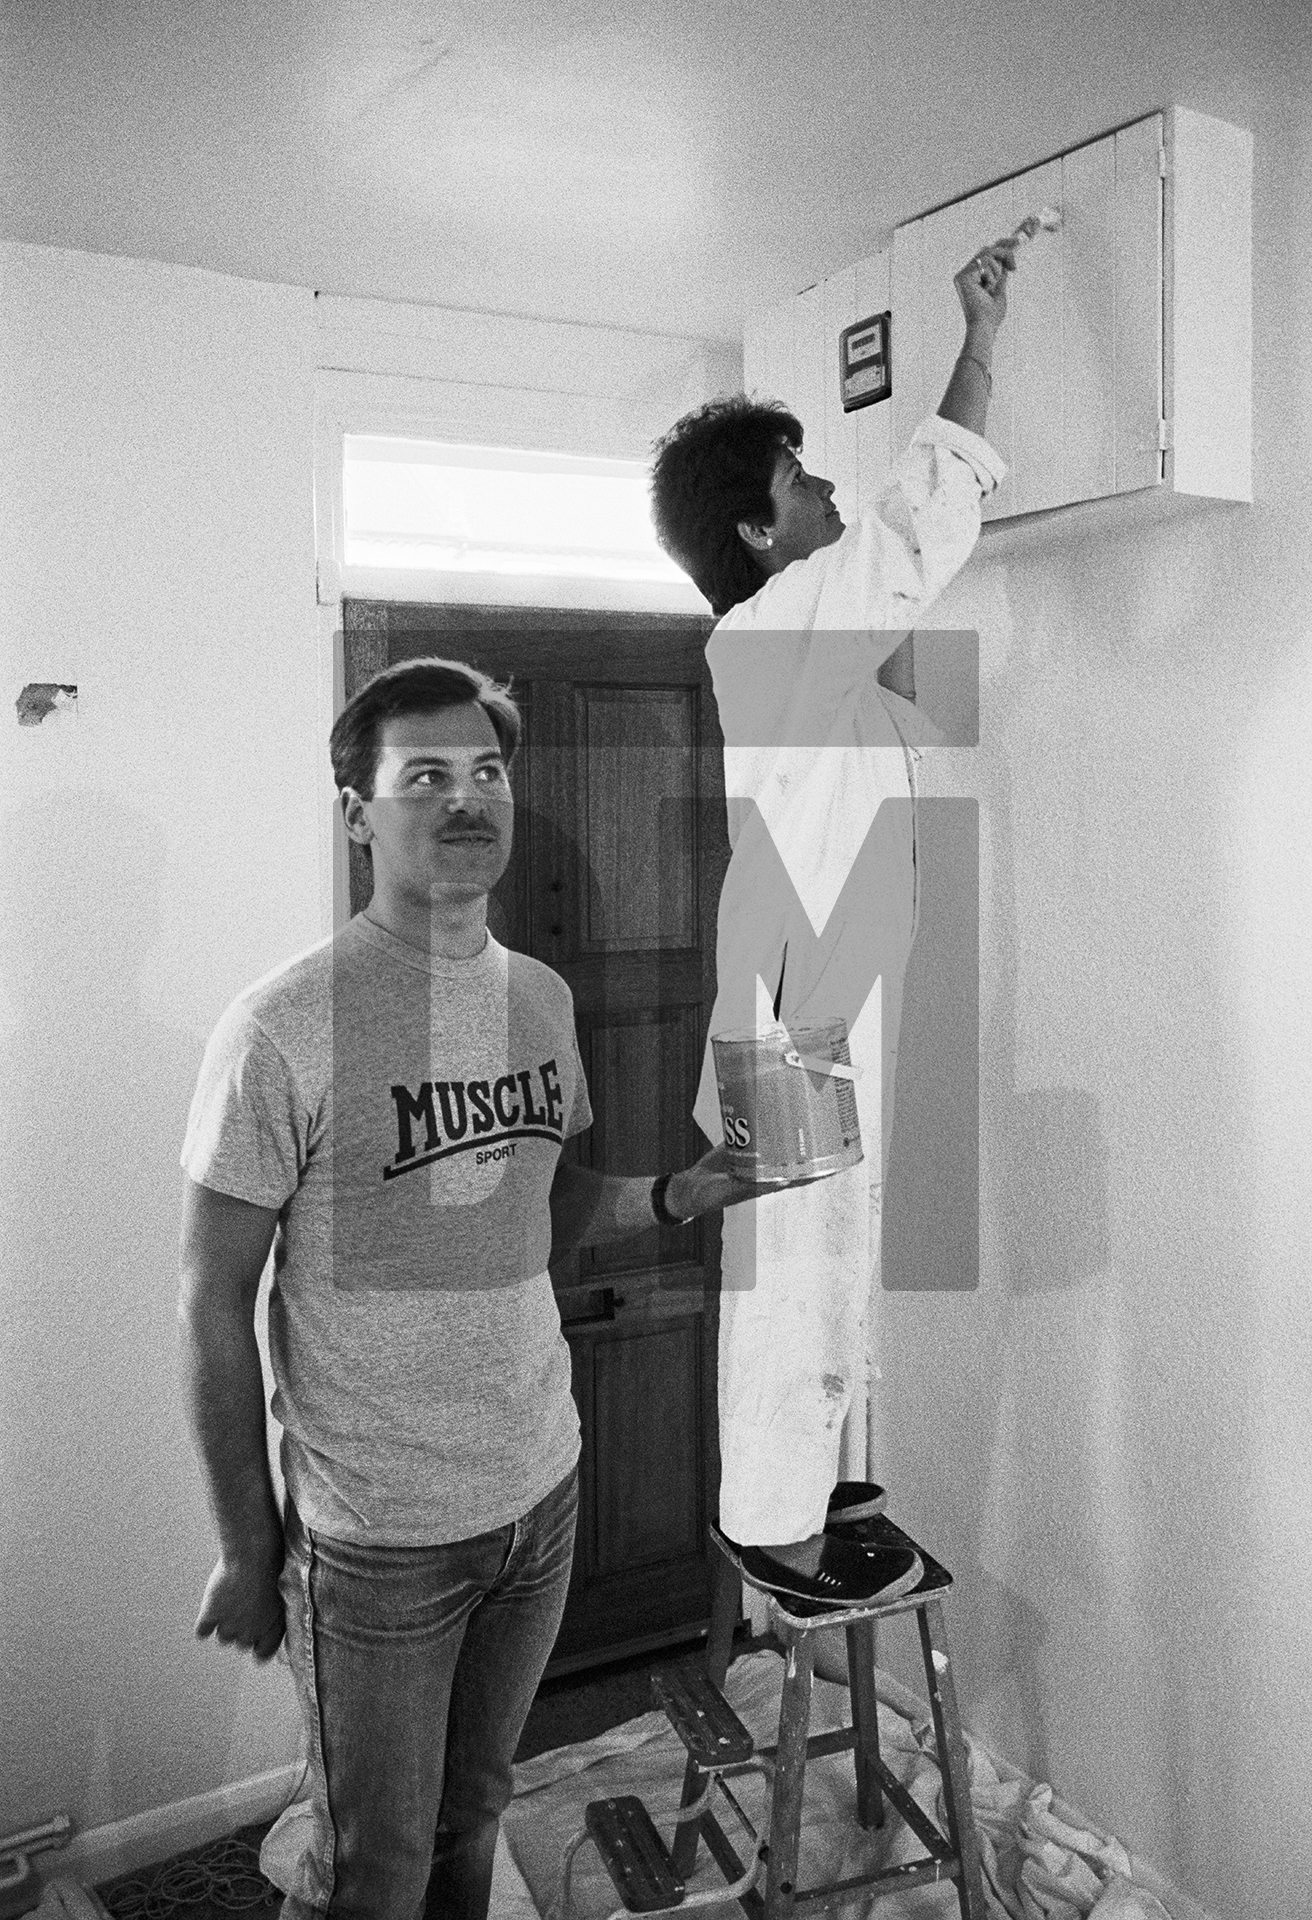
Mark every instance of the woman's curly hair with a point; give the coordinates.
(711, 470)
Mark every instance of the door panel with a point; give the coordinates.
(639, 1067)
(635, 747)
(643, 1504)
(656, 1368)
(620, 851)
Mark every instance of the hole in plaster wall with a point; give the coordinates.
(42, 697)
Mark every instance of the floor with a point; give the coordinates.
(214, 1882)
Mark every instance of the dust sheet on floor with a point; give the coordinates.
(1036, 1865)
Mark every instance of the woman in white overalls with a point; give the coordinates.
(813, 679)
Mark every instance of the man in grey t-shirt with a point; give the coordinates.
(386, 1113)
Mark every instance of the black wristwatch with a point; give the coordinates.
(659, 1206)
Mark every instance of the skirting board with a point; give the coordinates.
(125, 1846)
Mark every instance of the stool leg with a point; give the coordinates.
(726, 1610)
(726, 1605)
(789, 1779)
(865, 1722)
(951, 1759)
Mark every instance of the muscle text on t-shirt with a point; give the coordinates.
(443, 1117)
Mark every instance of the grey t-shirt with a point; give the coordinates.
(404, 1114)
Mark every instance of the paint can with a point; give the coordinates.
(788, 1102)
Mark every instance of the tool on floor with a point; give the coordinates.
(20, 1889)
(652, 1878)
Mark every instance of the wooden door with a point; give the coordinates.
(620, 851)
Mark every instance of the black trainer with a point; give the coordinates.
(854, 1500)
(835, 1571)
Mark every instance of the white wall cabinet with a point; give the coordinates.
(1126, 360)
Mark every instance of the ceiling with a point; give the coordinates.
(666, 166)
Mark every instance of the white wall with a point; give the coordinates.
(159, 851)
(1110, 1443)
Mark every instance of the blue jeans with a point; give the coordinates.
(415, 1668)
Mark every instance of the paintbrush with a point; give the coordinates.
(1046, 220)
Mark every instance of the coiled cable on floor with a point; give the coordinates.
(225, 1874)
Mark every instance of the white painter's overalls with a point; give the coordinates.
(819, 747)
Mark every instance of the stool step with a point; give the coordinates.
(702, 1717)
(636, 1857)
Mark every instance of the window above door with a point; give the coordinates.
(424, 504)
(496, 500)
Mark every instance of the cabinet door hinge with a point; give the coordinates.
(1163, 436)
(1161, 163)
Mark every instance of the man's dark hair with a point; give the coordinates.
(711, 470)
(413, 686)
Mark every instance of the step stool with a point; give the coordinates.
(651, 1878)
(792, 1622)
